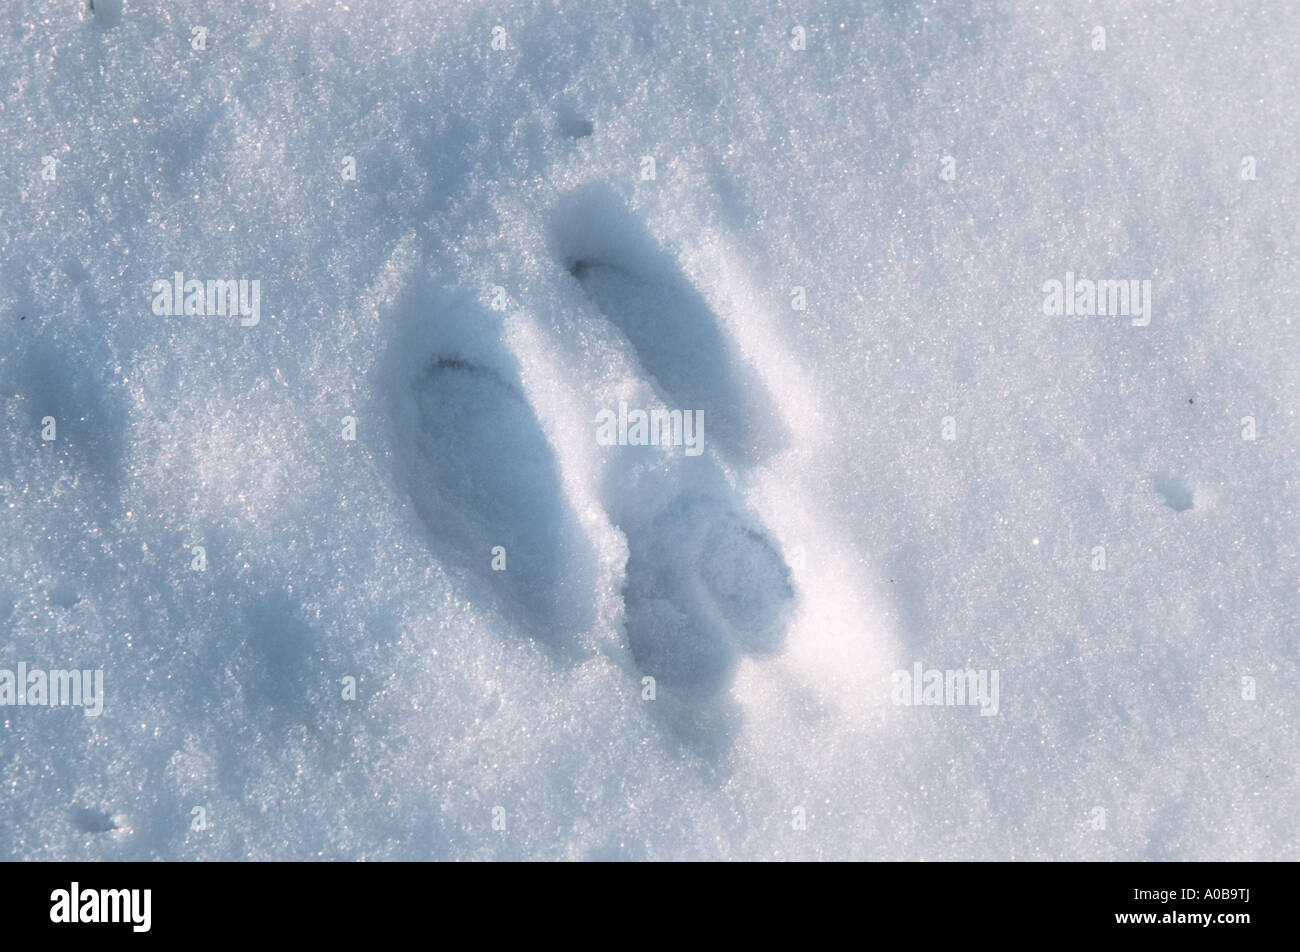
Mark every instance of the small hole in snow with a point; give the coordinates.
(1177, 491)
(92, 821)
(573, 125)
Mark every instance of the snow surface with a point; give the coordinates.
(827, 537)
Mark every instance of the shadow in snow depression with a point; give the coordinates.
(704, 581)
(481, 473)
(677, 338)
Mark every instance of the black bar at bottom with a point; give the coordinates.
(342, 902)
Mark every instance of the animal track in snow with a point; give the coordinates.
(1177, 491)
(676, 336)
(703, 585)
(481, 472)
(704, 581)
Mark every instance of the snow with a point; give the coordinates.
(502, 268)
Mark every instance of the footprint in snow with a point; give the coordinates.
(482, 476)
(705, 583)
(677, 338)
